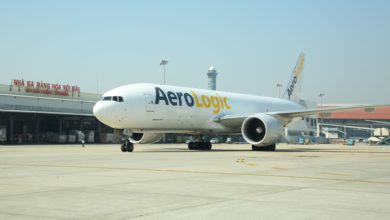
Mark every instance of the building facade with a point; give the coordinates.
(37, 112)
(358, 118)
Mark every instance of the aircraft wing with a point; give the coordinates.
(324, 111)
(235, 121)
(232, 121)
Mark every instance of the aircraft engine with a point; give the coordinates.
(262, 130)
(145, 138)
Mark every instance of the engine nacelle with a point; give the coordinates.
(145, 138)
(262, 130)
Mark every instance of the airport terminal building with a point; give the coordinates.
(359, 118)
(37, 112)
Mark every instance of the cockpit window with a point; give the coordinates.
(113, 98)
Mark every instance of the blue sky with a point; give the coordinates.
(253, 44)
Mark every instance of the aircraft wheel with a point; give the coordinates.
(191, 146)
(264, 148)
(272, 147)
(208, 146)
(129, 146)
(199, 146)
(123, 147)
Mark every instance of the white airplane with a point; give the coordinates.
(147, 111)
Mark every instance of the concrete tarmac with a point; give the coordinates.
(171, 182)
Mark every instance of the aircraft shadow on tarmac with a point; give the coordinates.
(300, 150)
(349, 151)
(184, 150)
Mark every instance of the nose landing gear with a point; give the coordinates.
(127, 146)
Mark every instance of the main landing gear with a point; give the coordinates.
(199, 146)
(127, 146)
(264, 148)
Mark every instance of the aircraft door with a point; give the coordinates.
(149, 103)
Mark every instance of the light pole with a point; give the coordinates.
(164, 62)
(321, 95)
(279, 85)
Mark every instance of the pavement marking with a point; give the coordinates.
(202, 172)
(336, 174)
(242, 160)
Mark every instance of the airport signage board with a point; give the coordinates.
(45, 88)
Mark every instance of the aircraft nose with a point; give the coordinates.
(96, 109)
(108, 113)
(100, 112)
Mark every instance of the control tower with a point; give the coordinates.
(212, 75)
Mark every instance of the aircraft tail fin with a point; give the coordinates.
(294, 86)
